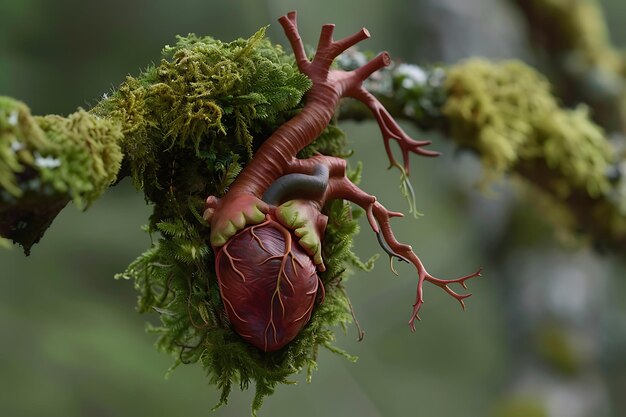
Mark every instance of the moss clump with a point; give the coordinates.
(507, 113)
(190, 125)
(78, 155)
(176, 278)
(204, 94)
(87, 155)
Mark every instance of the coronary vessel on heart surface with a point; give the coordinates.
(267, 230)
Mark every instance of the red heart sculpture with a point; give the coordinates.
(268, 284)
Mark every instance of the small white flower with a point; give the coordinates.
(47, 162)
(413, 74)
(13, 118)
(16, 145)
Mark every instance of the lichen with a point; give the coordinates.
(507, 113)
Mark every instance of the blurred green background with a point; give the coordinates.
(546, 326)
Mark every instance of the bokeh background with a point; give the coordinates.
(544, 333)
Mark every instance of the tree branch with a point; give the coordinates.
(573, 42)
(506, 114)
(46, 162)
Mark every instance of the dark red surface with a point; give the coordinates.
(268, 284)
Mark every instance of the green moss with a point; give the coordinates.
(86, 158)
(204, 93)
(176, 278)
(20, 139)
(508, 114)
(78, 155)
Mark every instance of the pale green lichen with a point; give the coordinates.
(506, 112)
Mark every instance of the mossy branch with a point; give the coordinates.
(572, 41)
(506, 113)
(46, 162)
